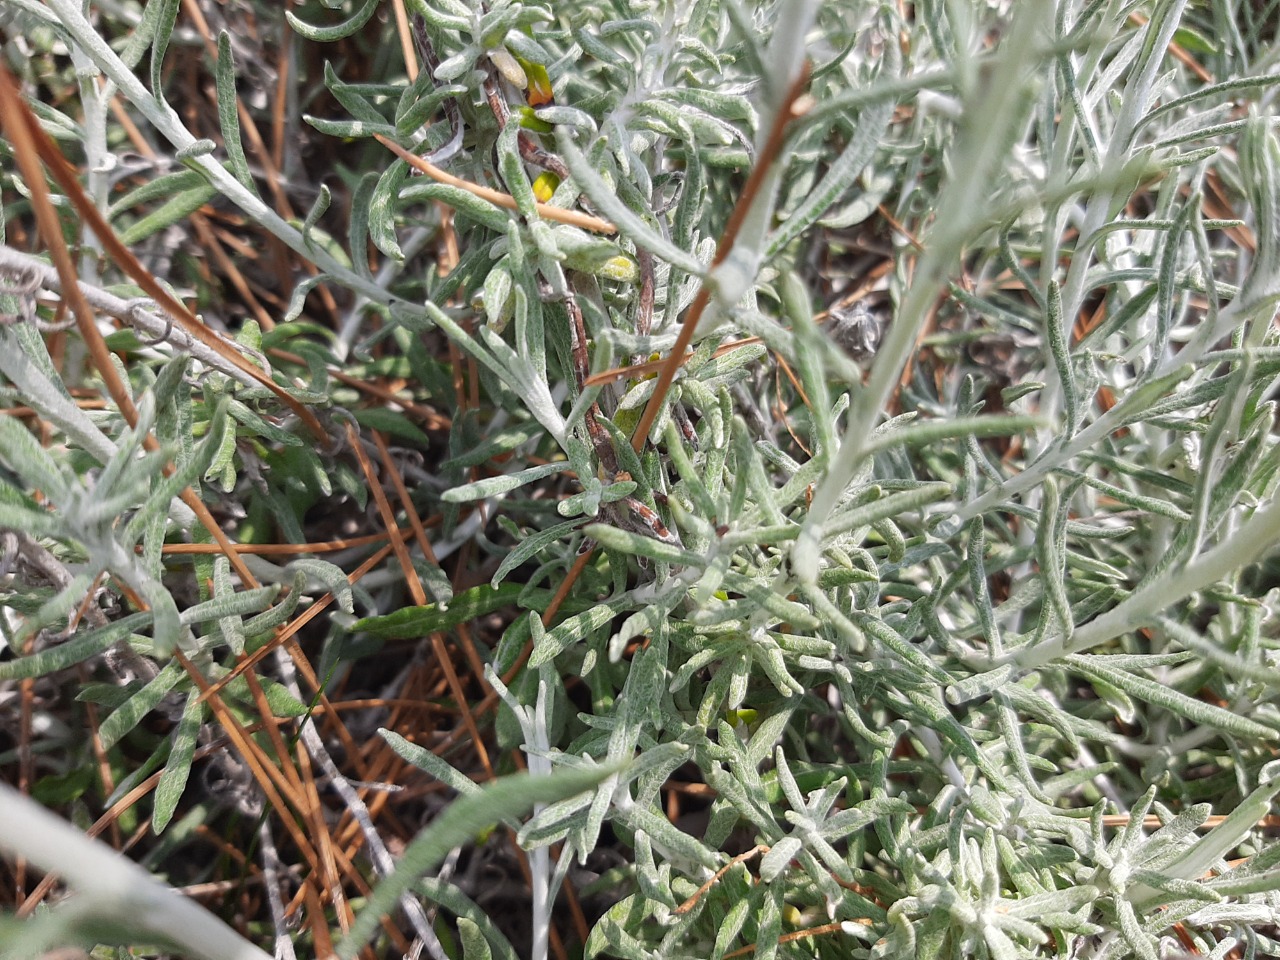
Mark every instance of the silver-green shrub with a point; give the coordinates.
(930, 610)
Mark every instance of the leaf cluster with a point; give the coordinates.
(956, 614)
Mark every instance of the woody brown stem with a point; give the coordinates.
(667, 375)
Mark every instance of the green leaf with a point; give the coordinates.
(551, 643)
(175, 210)
(1260, 173)
(231, 627)
(358, 226)
(281, 701)
(500, 442)
(511, 166)
(421, 101)
(260, 426)
(412, 622)
(923, 432)
(424, 759)
(355, 98)
(611, 931)
(470, 915)
(465, 202)
(1155, 505)
(143, 34)
(60, 789)
(607, 202)
(531, 546)
(1194, 41)
(842, 173)
(392, 422)
(19, 516)
(1058, 334)
(330, 575)
(163, 186)
(465, 817)
(885, 508)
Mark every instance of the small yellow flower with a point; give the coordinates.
(545, 185)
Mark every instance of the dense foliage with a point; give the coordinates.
(830, 446)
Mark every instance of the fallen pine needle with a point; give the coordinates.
(505, 200)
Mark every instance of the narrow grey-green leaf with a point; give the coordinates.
(318, 207)
(1154, 505)
(24, 455)
(976, 554)
(1058, 334)
(166, 17)
(629, 224)
(163, 186)
(573, 629)
(395, 423)
(1049, 547)
(1170, 699)
(76, 650)
(639, 545)
(233, 605)
(480, 936)
(173, 781)
(498, 443)
(338, 31)
(331, 575)
(1260, 174)
(358, 223)
(228, 116)
(382, 209)
(143, 34)
(492, 486)
(885, 507)
(919, 433)
(130, 713)
(474, 944)
(230, 627)
(424, 759)
(841, 175)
